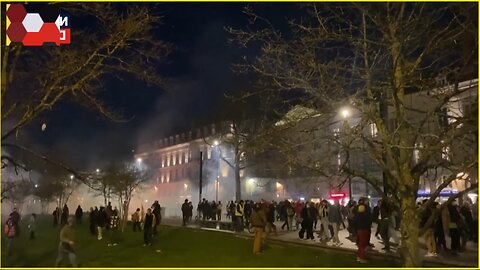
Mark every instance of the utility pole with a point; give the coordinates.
(200, 178)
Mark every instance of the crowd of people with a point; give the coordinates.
(437, 221)
(357, 217)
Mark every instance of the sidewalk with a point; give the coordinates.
(468, 258)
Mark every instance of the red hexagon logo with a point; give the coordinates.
(16, 12)
(16, 32)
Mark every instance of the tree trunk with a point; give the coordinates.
(410, 232)
(238, 186)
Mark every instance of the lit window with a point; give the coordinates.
(174, 159)
(168, 160)
(416, 152)
(186, 157)
(180, 157)
(336, 132)
(168, 177)
(209, 152)
(339, 159)
(163, 161)
(163, 178)
(446, 153)
(373, 129)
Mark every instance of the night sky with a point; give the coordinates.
(200, 67)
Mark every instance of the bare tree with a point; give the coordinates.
(375, 59)
(118, 42)
(123, 179)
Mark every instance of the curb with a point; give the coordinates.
(373, 253)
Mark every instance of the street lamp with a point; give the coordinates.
(139, 160)
(71, 177)
(98, 170)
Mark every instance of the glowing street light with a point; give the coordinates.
(139, 160)
(215, 143)
(98, 170)
(345, 113)
(36, 185)
(71, 177)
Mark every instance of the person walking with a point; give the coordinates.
(427, 224)
(190, 212)
(323, 215)
(10, 231)
(156, 210)
(451, 218)
(284, 215)
(101, 222)
(16, 220)
(363, 223)
(219, 211)
(32, 226)
(113, 232)
(79, 214)
(66, 245)
(270, 215)
(352, 205)
(466, 228)
(93, 220)
(385, 219)
(185, 212)
(375, 218)
(290, 216)
(232, 211)
(64, 216)
(55, 215)
(148, 225)
(439, 232)
(136, 220)
(258, 221)
(335, 219)
(239, 216)
(307, 216)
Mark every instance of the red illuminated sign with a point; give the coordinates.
(334, 196)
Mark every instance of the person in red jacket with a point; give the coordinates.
(363, 223)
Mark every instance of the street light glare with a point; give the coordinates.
(98, 170)
(345, 113)
(215, 143)
(71, 176)
(139, 160)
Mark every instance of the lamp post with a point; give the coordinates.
(216, 144)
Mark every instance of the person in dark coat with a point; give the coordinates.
(156, 212)
(64, 216)
(148, 225)
(55, 216)
(15, 219)
(93, 220)
(79, 214)
(185, 208)
(308, 215)
(190, 211)
(101, 221)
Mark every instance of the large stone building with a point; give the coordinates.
(175, 159)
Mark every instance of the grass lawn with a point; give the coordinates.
(180, 247)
